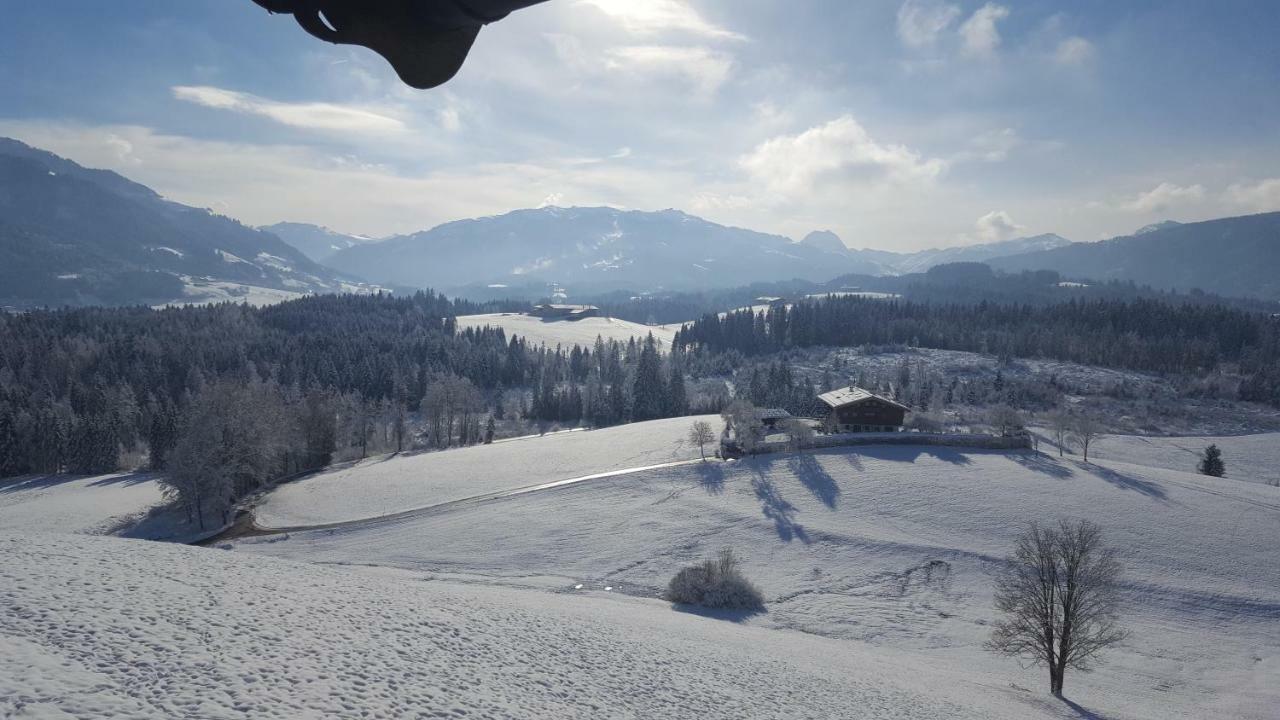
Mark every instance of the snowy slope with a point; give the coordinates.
(894, 547)
(582, 332)
(387, 485)
(1252, 458)
(106, 628)
(75, 503)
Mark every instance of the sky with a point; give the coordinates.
(897, 124)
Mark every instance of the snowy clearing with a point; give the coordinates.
(392, 484)
(568, 333)
(76, 503)
(893, 548)
(107, 628)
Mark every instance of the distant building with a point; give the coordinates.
(770, 417)
(771, 301)
(551, 311)
(853, 409)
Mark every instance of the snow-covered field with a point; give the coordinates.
(1254, 458)
(75, 503)
(893, 549)
(387, 485)
(876, 563)
(568, 333)
(106, 628)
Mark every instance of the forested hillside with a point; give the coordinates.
(1137, 335)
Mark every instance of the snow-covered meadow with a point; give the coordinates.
(876, 563)
(398, 483)
(893, 548)
(568, 333)
(76, 503)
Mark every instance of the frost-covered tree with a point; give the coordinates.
(1085, 428)
(1005, 420)
(799, 433)
(1058, 599)
(1211, 462)
(1060, 425)
(701, 434)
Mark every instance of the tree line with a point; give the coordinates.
(1142, 335)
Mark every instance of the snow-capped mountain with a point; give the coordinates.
(594, 247)
(315, 241)
(923, 260)
(76, 236)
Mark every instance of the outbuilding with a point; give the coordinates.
(854, 409)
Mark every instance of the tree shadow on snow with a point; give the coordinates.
(778, 510)
(1083, 712)
(711, 477)
(735, 615)
(811, 474)
(911, 453)
(1043, 464)
(128, 480)
(1126, 482)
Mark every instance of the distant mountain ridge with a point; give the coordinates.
(70, 235)
(593, 247)
(315, 241)
(1235, 256)
(609, 248)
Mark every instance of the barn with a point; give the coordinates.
(552, 311)
(853, 409)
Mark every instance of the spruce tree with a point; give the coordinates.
(648, 394)
(1211, 462)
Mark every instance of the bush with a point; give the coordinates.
(715, 584)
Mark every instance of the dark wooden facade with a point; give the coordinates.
(857, 410)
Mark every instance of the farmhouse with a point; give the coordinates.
(853, 409)
(565, 312)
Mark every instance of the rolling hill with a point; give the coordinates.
(75, 236)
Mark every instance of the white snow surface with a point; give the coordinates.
(894, 548)
(568, 333)
(75, 503)
(1253, 458)
(109, 628)
(397, 483)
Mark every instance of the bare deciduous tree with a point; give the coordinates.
(701, 434)
(1060, 424)
(1084, 430)
(1005, 419)
(1058, 599)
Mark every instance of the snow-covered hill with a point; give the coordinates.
(75, 503)
(893, 549)
(388, 485)
(105, 628)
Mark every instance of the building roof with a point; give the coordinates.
(772, 414)
(854, 395)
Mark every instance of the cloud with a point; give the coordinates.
(308, 116)
(648, 17)
(1262, 196)
(1162, 197)
(921, 21)
(996, 226)
(792, 165)
(261, 184)
(703, 68)
(994, 145)
(980, 35)
(1074, 51)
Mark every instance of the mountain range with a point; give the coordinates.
(75, 236)
(1235, 256)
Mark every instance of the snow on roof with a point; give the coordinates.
(772, 414)
(851, 395)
